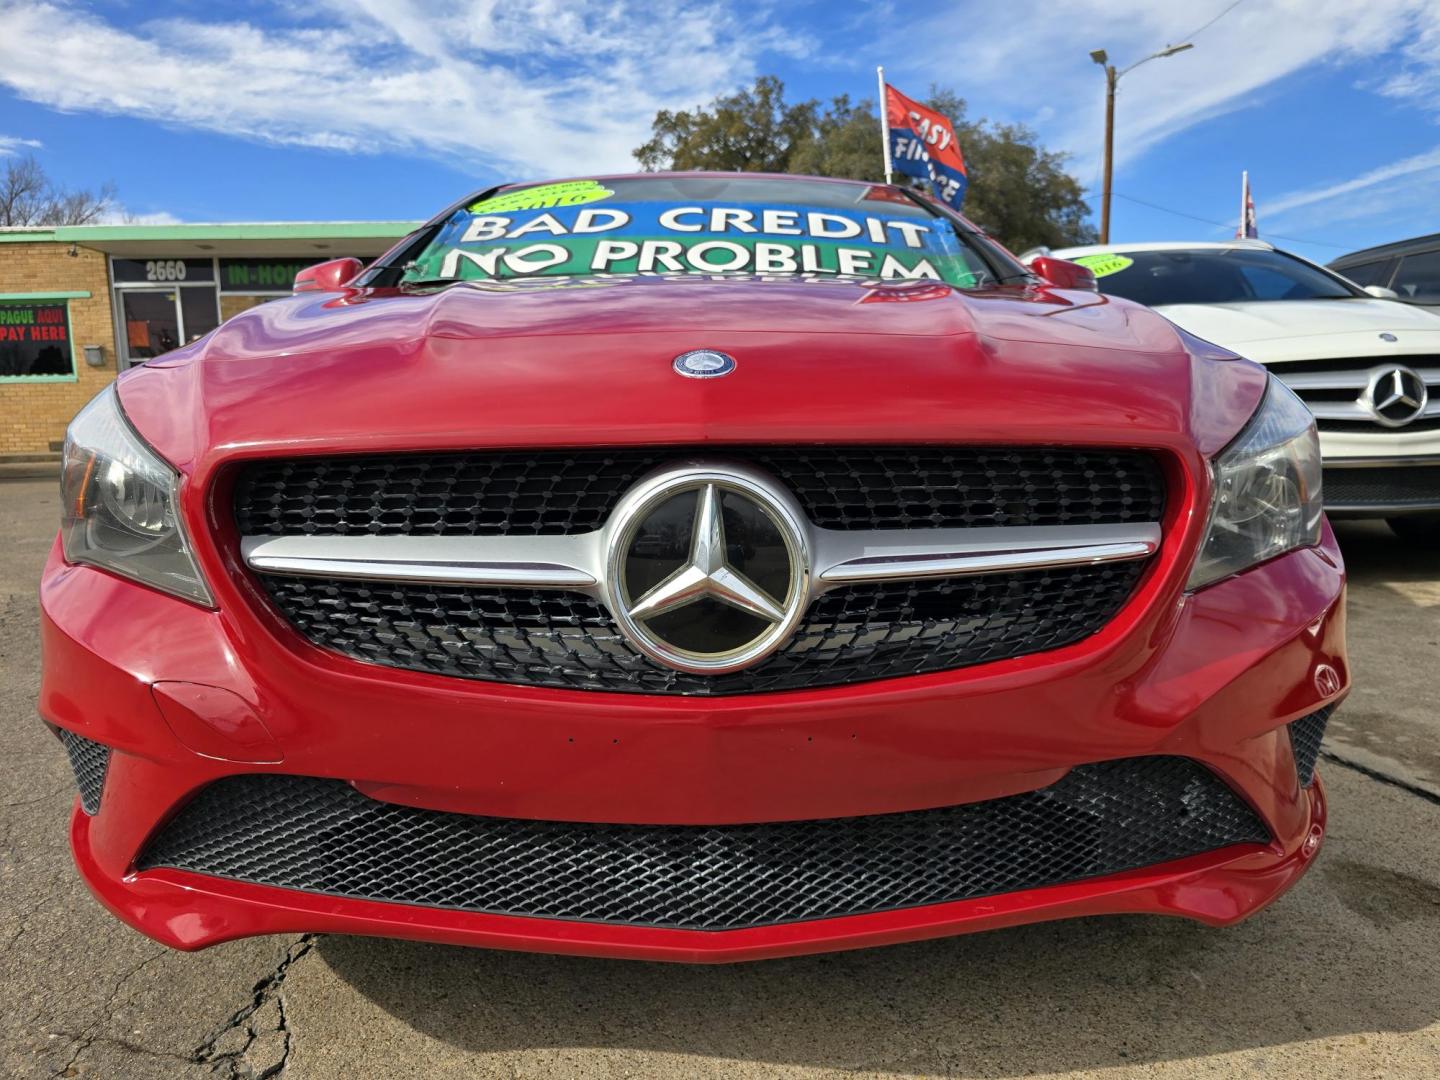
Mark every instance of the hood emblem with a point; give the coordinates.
(708, 568)
(704, 364)
(1394, 396)
(1387, 336)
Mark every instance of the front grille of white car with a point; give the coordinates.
(1343, 393)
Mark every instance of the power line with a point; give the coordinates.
(1208, 221)
(1226, 224)
(1196, 33)
(1168, 210)
(1187, 38)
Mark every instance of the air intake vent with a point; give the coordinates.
(1397, 486)
(89, 759)
(324, 836)
(1305, 737)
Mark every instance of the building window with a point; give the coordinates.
(35, 340)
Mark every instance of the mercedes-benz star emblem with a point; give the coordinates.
(708, 569)
(1394, 396)
(704, 364)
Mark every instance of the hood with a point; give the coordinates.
(590, 363)
(319, 323)
(1235, 325)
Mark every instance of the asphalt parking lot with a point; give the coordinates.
(1340, 978)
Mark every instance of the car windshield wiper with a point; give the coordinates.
(426, 283)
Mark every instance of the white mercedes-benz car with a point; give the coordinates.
(1368, 366)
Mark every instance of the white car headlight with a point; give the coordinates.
(1267, 490)
(119, 504)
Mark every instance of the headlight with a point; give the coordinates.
(1267, 490)
(119, 504)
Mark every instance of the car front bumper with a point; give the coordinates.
(1214, 678)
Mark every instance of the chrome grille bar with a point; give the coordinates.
(578, 562)
(1354, 379)
(1354, 410)
(534, 562)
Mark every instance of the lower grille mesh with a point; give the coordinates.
(323, 836)
(549, 638)
(89, 760)
(1401, 485)
(1306, 735)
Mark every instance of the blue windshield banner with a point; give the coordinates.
(597, 236)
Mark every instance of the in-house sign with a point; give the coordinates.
(263, 275)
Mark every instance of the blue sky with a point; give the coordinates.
(206, 111)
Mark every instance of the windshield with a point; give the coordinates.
(1210, 276)
(698, 225)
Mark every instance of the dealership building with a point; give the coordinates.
(80, 303)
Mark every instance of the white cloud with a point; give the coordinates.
(550, 87)
(1426, 164)
(1027, 63)
(13, 144)
(1418, 79)
(538, 88)
(1399, 193)
(116, 214)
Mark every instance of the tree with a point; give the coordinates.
(844, 141)
(28, 197)
(1019, 191)
(754, 131)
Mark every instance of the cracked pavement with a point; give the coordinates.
(1339, 978)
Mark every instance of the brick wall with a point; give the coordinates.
(33, 415)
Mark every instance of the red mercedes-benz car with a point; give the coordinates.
(691, 567)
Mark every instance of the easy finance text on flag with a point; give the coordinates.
(922, 144)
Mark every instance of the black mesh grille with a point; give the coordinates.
(525, 493)
(324, 836)
(1305, 737)
(89, 760)
(1399, 485)
(548, 638)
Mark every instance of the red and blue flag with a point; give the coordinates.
(922, 145)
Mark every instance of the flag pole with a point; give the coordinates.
(1244, 203)
(884, 124)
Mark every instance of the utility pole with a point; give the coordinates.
(1112, 79)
